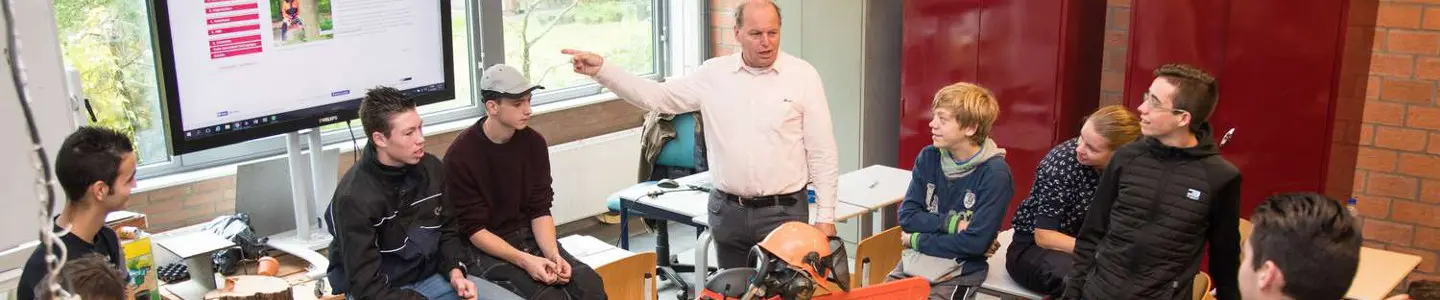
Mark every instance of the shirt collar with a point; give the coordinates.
(776, 67)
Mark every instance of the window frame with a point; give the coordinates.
(485, 35)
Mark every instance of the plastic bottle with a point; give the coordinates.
(1354, 212)
(1350, 205)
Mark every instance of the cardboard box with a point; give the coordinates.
(119, 219)
(140, 263)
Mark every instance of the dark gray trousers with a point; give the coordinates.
(737, 228)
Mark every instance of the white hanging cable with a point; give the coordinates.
(39, 161)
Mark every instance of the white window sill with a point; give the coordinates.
(183, 178)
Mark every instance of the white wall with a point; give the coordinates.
(855, 46)
(833, 46)
(40, 55)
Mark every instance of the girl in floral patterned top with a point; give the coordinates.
(1047, 221)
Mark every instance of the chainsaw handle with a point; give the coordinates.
(757, 283)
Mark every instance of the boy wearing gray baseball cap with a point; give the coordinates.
(498, 177)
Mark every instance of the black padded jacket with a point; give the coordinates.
(1155, 208)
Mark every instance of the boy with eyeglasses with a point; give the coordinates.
(1161, 200)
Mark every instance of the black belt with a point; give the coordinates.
(786, 199)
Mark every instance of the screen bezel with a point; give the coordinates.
(310, 117)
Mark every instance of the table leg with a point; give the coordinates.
(624, 226)
(202, 279)
(867, 224)
(202, 271)
(888, 215)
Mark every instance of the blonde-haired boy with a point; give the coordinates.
(958, 193)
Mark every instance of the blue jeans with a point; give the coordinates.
(438, 287)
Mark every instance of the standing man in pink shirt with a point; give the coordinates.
(767, 127)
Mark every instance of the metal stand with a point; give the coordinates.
(702, 257)
(302, 181)
(195, 248)
(305, 181)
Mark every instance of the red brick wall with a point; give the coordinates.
(1117, 40)
(178, 206)
(199, 202)
(722, 27)
(1397, 181)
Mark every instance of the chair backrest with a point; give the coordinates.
(632, 277)
(1245, 228)
(876, 255)
(1201, 291)
(680, 152)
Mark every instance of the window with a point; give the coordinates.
(460, 40)
(109, 43)
(535, 31)
(460, 37)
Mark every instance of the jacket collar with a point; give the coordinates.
(371, 163)
(1204, 148)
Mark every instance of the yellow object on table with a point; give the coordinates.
(1379, 272)
(140, 264)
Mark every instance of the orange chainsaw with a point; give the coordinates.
(795, 259)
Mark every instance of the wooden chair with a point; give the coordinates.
(878, 254)
(631, 277)
(1201, 291)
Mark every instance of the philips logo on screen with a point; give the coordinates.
(329, 119)
(222, 114)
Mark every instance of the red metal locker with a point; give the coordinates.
(1040, 58)
(1291, 76)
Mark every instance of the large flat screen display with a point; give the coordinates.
(236, 70)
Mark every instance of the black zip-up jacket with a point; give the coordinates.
(1155, 208)
(392, 228)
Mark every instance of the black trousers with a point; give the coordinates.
(1038, 269)
(737, 228)
(585, 283)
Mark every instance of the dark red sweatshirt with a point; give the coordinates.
(499, 187)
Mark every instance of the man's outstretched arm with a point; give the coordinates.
(675, 96)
